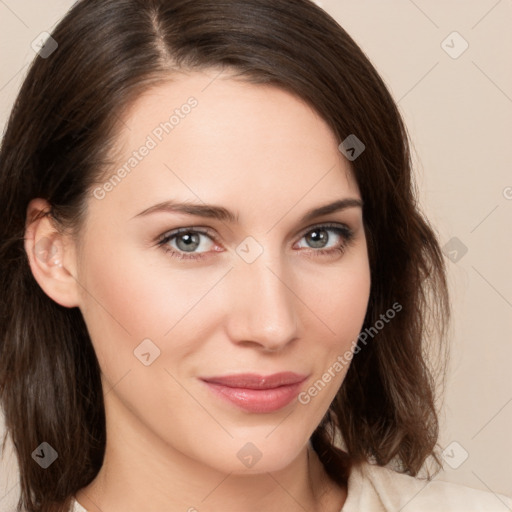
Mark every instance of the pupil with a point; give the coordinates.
(191, 242)
(319, 238)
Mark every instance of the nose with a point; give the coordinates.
(262, 305)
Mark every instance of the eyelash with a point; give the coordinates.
(344, 232)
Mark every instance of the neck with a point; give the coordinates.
(140, 472)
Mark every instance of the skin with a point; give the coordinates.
(172, 444)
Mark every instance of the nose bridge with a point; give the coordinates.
(263, 311)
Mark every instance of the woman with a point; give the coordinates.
(216, 279)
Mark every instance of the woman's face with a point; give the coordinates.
(253, 284)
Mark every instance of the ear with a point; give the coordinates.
(51, 255)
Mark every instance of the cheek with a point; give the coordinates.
(340, 300)
(129, 295)
(338, 295)
(132, 294)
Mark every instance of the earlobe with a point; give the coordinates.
(50, 256)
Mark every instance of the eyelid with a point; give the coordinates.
(327, 224)
(196, 229)
(212, 234)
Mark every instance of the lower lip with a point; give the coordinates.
(257, 400)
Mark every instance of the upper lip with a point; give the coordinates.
(255, 381)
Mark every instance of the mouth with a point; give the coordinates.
(257, 393)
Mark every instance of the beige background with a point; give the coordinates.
(459, 114)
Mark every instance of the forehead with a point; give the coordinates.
(206, 136)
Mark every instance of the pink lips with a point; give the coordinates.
(257, 393)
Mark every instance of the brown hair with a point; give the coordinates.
(57, 144)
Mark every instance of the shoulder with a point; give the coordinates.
(380, 489)
(76, 507)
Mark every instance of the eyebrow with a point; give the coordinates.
(222, 214)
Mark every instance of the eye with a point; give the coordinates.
(186, 241)
(322, 242)
(183, 243)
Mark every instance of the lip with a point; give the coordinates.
(257, 393)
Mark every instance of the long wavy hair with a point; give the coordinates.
(58, 144)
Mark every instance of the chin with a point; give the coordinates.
(262, 455)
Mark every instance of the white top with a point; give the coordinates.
(373, 488)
